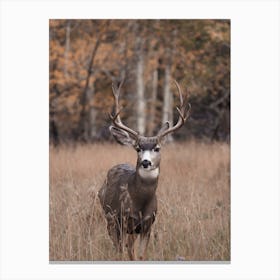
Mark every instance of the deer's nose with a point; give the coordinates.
(145, 163)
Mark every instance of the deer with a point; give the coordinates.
(128, 194)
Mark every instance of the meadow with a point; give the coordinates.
(193, 219)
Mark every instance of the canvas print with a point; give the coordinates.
(139, 140)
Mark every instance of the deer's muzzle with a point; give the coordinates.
(146, 163)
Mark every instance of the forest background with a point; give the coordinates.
(86, 56)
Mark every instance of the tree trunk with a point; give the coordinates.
(167, 114)
(83, 122)
(92, 129)
(141, 106)
(153, 103)
(140, 95)
(168, 98)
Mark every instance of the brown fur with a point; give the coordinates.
(129, 204)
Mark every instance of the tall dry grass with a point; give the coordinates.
(193, 220)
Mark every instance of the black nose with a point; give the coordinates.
(146, 163)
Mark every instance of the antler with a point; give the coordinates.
(117, 119)
(183, 110)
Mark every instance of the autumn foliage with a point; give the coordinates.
(86, 56)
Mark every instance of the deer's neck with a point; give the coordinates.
(148, 176)
(146, 181)
(143, 187)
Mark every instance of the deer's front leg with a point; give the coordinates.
(112, 228)
(130, 246)
(144, 240)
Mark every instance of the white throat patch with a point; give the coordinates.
(148, 174)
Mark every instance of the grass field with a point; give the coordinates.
(193, 220)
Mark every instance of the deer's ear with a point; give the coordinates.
(165, 126)
(121, 136)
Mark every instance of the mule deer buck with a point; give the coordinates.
(128, 195)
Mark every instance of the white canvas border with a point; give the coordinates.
(254, 149)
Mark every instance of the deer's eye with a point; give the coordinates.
(138, 150)
(157, 149)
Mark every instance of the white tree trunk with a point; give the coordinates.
(167, 99)
(153, 102)
(141, 106)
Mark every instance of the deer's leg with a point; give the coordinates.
(114, 230)
(114, 234)
(122, 231)
(144, 240)
(130, 246)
